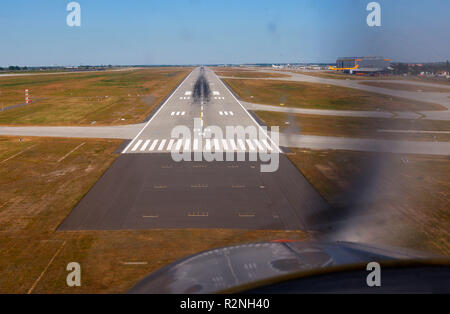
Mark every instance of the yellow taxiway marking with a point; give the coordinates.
(160, 187)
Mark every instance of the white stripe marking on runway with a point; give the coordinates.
(253, 119)
(208, 145)
(145, 145)
(195, 144)
(157, 112)
(136, 146)
(161, 146)
(241, 144)
(260, 147)
(225, 144)
(216, 145)
(173, 113)
(233, 145)
(250, 145)
(267, 144)
(187, 145)
(169, 147)
(221, 113)
(155, 142)
(179, 144)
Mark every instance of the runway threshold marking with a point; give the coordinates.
(251, 117)
(157, 112)
(161, 146)
(155, 142)
(136, 146)
(145, 145)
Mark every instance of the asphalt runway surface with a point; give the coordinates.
(146, 188)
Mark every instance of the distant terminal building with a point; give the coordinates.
(362, 65)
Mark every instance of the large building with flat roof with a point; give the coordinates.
(362, 64)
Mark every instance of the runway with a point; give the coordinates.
(147, 189)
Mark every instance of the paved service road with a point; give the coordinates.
(145, 188)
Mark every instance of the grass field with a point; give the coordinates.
(412, 190)
(356, 126)
(342, 76)
(320, 96)
(408, 87)
(233, 72)
(40, 182)
(101, 98)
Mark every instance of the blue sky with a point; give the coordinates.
(225, 31)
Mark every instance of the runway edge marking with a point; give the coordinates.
(151, 119)
(253, 119)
